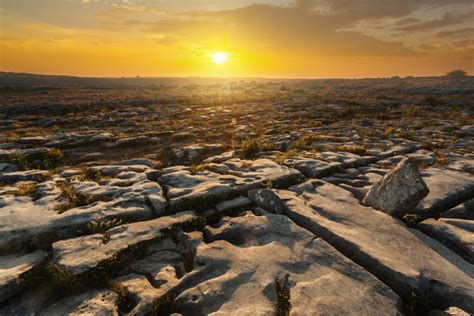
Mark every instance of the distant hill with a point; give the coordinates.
(11, 79)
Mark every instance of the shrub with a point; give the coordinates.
(456, 74)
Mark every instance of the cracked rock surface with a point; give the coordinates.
(329, 197)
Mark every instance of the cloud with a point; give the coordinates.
(372, 9)
(467, 31)
(448, 19)
(294, 30)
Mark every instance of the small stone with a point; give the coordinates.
(450, 311)
(266, 199)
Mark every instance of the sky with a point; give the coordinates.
(252, 38)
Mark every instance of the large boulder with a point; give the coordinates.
(399, 191)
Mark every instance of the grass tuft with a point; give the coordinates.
(73, 198)
(49, 159)
(250, 147)
(26, 189)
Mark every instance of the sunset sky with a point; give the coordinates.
(237, 38)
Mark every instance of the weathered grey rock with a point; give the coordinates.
(462, 211)
(145, 296)
(464, 163)
(423, 156)
(448, 188)
(29, 175)
(399, 191)
(129, 185)
(94, 302)
(135, 162)
(235, 274)
(136, 141)
(79, 255)
(267, 200)
(467, 130)
(13, 268)
(456, 234)
(168, 261)
(313, 168)
(8, 167)
(196, 153)
(397, 150)
(125, 192)
(220, 158)
(403, 258)
(6, 154)
(191, 190)
(347, 160)
(238, 202)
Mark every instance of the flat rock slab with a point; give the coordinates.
(462, 211)
(82, 254)
(463, 163)
(457, 234)
(313, 168)
(347, 160)
(29, 175)
(13, 268)
(448, 188)
(190, 190)
(403, 258)
(33, 224)
(94, 302)
(124, 193)
(236, 274)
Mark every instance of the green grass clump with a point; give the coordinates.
(302, 142)
(355, 149)
(412, 111)
(73, 198)
(90, 174)
(199, 168)
(49, 159)
(250, 147)
(281, 157)
(267, 184)
(100, 228)
(26, 189)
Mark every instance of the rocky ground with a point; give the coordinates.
(315, 197)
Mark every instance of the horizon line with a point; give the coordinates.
(222, 77)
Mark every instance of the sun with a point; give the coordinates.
(219, 57)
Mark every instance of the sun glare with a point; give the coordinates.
(219, 57)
